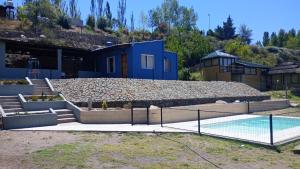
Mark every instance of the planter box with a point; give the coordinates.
(12, 90)
(43, 105)
(32, 120)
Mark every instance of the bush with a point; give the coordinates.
(197, 76)
(22, 82)
(91, 22)
(64, 22)
(104, 105)
(34, 98)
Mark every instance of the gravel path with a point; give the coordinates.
(109, 89)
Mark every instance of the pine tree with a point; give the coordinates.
(229, 29)
(274, 40)
(266, 39)
(281, 38)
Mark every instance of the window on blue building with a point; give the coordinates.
(147, 61)
(167, 65)
(111, 64)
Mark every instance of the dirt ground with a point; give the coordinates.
(38, 150)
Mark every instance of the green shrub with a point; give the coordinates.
(8, 82)
(104, 105)
(22, 82)
(51, 98)
(34, 98)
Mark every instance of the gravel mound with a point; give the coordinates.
(112, 90)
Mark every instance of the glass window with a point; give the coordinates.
(250, 71)
(111, 64)
(215, 62)
(167, 65)
(147, 61)
(207, 63)
(295, 78)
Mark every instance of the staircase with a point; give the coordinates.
(65, 116)
(40, 86)
(11, 104)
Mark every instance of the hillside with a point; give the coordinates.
(10, 30)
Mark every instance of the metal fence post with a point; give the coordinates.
(161, 117)
(199, 122)
(271, 129)
(147, 115)
(132, 115)
(248, 103)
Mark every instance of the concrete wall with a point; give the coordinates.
(178, 114)
(32, 120)
(122, 116)
(12, 90)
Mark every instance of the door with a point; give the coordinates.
(124, 66)
(70, 66)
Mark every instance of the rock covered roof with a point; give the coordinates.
(286, 67)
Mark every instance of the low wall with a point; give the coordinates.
(178, 114)
(12, 90)
(122, 116)
(31, 120)
(41, 105)
(176, 102)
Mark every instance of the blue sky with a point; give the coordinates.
(259, 15)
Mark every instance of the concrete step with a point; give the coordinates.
(63, 111)
(10, 103)
(66, 120)
(13, 110)
(63, 116)
(11, 106)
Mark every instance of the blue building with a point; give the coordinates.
(141, 60)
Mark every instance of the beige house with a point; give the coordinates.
(220, 66)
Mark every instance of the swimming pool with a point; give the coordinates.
(258, 124)
(252, 128)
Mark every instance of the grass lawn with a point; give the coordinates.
(136, 150)
(281, 95)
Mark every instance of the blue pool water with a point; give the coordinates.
(256, 124)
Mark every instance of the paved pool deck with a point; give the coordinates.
(254, 136)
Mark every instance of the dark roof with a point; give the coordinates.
(286, 67)
(250, 64)
(118, 46)
(218, 54)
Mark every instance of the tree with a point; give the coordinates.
(102, 23)
(292, 33)
(100, 8)
(188, 19)
(74, 11)
(91, 18)
(229, 29)
(153, 19)
(274, 40)
(108, 15)
(132, 22)
(245, 34)
(144, 22)
(210, 33)
(266, 39)
(219, 33)
(121, 14)
(91, 21)
(282, 38)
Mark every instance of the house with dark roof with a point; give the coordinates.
(220, 66)
(142, 60)
(284, 75)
